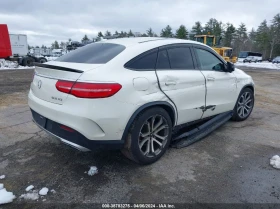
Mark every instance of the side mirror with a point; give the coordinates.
(229, 67)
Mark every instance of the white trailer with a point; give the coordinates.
(20, 51)
(19, 44)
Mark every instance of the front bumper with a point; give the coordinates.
(72, 137)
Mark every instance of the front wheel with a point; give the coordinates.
(42, 60)
(149, 136)
(244, 105)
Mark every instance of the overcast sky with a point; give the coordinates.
(47, 20)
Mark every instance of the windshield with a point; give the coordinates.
(228, 53)
(96, 53)
(243, 55)
(200, 39)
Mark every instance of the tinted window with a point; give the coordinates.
(209, 61)
(163, 61)
(96, 53)
(243, 55)
(180, 58)
(145, 62)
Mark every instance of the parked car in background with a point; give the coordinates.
(131, 93)
(276, 60)
(247, 56)
(250, 59)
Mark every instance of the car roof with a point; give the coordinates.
(155, 41)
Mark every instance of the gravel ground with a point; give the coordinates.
(231, 165)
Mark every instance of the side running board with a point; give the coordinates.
(196, 134)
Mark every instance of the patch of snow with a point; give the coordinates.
(275, 161)
(5, 197)
(2, 177)
(29, 188)
(53, 191)
(44, 191)
(92, 171)
(268, 65)
(30, 196)
(11, 65)
(44, 200)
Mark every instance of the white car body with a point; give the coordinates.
(107, 119)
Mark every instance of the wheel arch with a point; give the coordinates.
(249, 86)
(163, 104)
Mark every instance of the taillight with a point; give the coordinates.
(64, 86)
(88, 90)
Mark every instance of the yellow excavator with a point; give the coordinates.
(210, 40)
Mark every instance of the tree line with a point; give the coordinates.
(264, 39)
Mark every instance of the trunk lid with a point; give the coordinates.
(47, 74)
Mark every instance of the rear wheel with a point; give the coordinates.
(28, 61)
(244, 105)
(149, 136)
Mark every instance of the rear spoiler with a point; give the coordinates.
(54, 67)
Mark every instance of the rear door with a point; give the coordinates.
(221, 86)
(181, 81)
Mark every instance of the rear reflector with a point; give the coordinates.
(66, 128)
(88, 90)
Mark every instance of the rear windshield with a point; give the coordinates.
(96, 53)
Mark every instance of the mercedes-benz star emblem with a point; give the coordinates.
(39, 84)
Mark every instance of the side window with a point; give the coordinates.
(145, 62)
(163, 61)
(180, 58)
(209, 61)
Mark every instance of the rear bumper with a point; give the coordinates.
(97, 120)
(73, 138)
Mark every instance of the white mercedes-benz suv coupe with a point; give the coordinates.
(131, 93)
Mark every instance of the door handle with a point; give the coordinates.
(210, 79)
(169, 83)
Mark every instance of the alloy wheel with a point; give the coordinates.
(153, 136)
(245, 104)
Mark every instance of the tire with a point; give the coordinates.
(42, 60)
(244, 105)
(28, 61)
(140, 126)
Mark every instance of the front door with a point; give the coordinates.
(181, 82)
(221, 86)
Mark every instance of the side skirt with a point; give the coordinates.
(200, 130)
